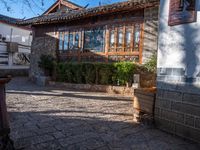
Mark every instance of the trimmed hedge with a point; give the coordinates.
(95, 73)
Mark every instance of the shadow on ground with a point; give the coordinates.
(45, 118)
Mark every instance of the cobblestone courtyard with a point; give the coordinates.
(46, 118)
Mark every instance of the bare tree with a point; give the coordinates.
(29, 4)
(34, 5)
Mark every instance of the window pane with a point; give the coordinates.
(60, 41)
(112, 38)
(66, 41)
(76, 45)
(137, 37)
(71, 39)
(120, 38)
(128, 38)
(94, 40)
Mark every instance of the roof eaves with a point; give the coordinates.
(65, 17)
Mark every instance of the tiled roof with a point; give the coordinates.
(79, 14)
(66, 2)
(9, 20)
(73, 3)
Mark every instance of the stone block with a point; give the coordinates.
(173, 116)
(191, 98)
(197, 123)
(189, 120)
(14, 72)
(178, 71)
(42, 80)
(162, 103)
(161, 78)
(157, 111)
(159, 93)
(172, 95)
(187, 132)
(186, 108)
(165, 125)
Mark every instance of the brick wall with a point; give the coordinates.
(14, 72)
(177, 107)
(178, 112)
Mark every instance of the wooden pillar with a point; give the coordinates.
(107, 42)
(5, 141)
(141, 42)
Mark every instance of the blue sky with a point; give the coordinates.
(19, 9)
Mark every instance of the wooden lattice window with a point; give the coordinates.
(94, 40)
(124, 38)
(122, 42)
(69, 40)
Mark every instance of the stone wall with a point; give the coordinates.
(150, 44)
(41, 45)
(178, 111)
(127, 91)
(14, 72)
(177, 107)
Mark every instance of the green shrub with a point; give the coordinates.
(47, 64)
(88, 72)
(123, 72)
(105, 73)
(151, 64)
(60, 72)
(96, 73)
(77, 73)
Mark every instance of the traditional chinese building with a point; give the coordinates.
(125, 31)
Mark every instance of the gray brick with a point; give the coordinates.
(197, 123)
(178, 71)
(190, 80)
(165, 125)
(192, 98)
(159, 93)
(163, 103)
(173, 78)
(173, 116)
(161, 78)
(187, 132)
(157, 111)
(173, 95)
(189, 120)
(186, 108)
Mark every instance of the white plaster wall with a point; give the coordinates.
(179, 46)
(19, 35)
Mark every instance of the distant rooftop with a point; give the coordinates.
(9, 20)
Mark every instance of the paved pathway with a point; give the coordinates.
(60, 119)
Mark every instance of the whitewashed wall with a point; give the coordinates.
(178, 78)
(21, 36)
(179, 46)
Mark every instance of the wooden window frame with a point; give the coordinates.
(108, 51)
(131, 50)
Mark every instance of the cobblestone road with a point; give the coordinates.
(45, 118)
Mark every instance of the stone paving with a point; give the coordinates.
(47, 118)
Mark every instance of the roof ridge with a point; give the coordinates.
(105, 9)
